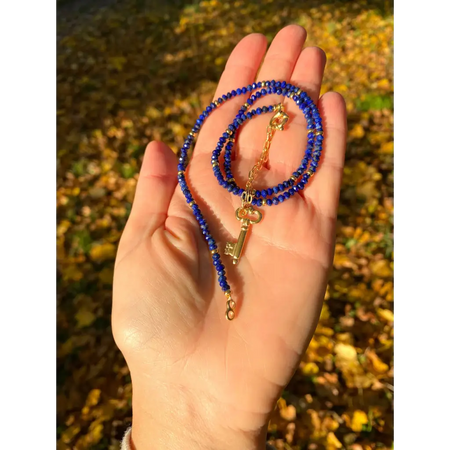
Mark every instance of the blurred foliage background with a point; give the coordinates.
(131, 71)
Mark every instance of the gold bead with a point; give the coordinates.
(231, 140)
(229, 132)
(192, 203)
(263, 84)
(318, 133)
(230, 180)
(216, 102)
(213, 252)
(192, 134)
(263, 202)
(246, 105)
(228, 294)
(311, 173)
(180, 172)
(293, 178)
(215, 164)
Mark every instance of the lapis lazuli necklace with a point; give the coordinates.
(247, 214)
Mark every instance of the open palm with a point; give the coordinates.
(217, 380)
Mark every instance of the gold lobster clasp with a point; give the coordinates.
(279, 120)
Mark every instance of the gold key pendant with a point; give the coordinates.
(234, 249)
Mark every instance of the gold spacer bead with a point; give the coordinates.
(192, 203)
(263, 84)
(228, 294)
(318, 133)
(180, 172)
(231, 140)
(192, 134)
(230, 180)
(213, 252)
(215, 164)
(293, 178)
(263, 202)
(246, 105)
(310, 173)
(229, 132)
(216, 102)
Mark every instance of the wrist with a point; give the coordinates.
(174, 420)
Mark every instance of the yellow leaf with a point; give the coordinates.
(378, 366)
(357, 132)
(93, 397)
(70, 433)
(289, 413)
(72, 273)
(381, 268)
(345, 352)
(358, 420)
(387, 148)
(310, 369)
(385, 314)
(103, 252)
(333, 442)
(84, 318)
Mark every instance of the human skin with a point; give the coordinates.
(201, 381)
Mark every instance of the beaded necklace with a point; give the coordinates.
(247, 214)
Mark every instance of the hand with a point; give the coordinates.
(199, 380)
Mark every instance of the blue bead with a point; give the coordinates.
(277, 84)
(254, 86)
(258, 111)
(283, 84)
(258, 202)
(244, 90)
(275, 201)
(212, 246)
(264, 109)
(269, 202)
(258, 194)
(281, 198)
(269, 191)
(220, 267)
(263, 92)
(264, 193)
(238, 91)
(275, 189)
(259, 84)
(233, 93)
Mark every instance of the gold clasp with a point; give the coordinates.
(279, 120)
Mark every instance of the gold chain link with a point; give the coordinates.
(276, 123)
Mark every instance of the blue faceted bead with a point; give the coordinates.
(275, 189)
(258, 111)
(264, 193)
(269, 202)
(269, 191)
(238, 91)
(275, 201)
